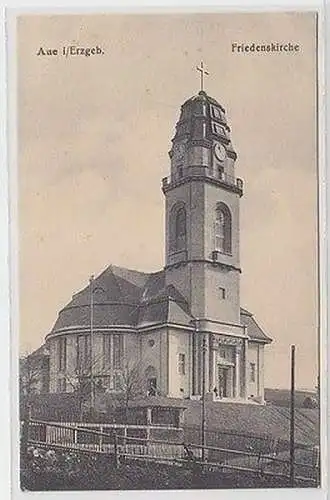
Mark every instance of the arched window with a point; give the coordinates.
(220, 231)
(223, 229)
(178, 231)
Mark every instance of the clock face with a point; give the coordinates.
(220, 151)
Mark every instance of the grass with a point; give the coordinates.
(144, 476)
(257, 420)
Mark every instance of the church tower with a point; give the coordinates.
(202, 212)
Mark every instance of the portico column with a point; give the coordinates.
(215, 375)
(237, 371)
(213, 358)
(206, 347)
(195, 363)
(246, 372)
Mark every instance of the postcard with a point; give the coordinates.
(168, 250)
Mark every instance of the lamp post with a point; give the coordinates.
(203, 396)
(196, 377)
(92, 290)
(91, 280)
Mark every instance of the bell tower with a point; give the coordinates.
(202, 197)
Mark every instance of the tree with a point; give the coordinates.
(86, 383)
(310, 402)
(131, 383)
(30, 380)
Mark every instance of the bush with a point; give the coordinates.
(310, 402)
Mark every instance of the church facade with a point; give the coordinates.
(183, 326)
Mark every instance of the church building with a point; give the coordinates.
(183, 326)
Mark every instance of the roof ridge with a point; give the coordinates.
(121, 268)
(178, 298)
(154, 300)
(245, 311)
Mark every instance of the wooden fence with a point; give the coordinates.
(133, 442)
(264, 444)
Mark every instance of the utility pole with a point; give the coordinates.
(292, 416)
(91, 280)
(203, 398)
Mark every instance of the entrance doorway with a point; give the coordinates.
(152, 386)
(151, 381)
(225, 381)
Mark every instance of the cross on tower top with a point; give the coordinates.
(203, 72)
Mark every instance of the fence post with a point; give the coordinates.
(260, 465)
(149, 416)
(116, 458)
(125, 435)
(316, 463)
(25, 428)
(24, 436)
(148, 440)
(100, 438)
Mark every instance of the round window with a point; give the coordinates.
(151, 342)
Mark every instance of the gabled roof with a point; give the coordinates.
(253, 329)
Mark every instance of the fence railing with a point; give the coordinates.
(262, 463)
(117, 439)
(264, 444)
(89, 435)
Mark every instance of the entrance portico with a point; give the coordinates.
(227, 369)
(225, 364)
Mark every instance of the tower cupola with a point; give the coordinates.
(202, 145)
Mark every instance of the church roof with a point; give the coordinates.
(125, 297)
(203, 96)
(41, 352)
(253, 329)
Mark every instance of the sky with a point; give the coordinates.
(93, 139)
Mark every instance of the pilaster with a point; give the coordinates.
(237, 371)
(246, 372)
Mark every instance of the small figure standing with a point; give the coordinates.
(152, 390)
(188, 453)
